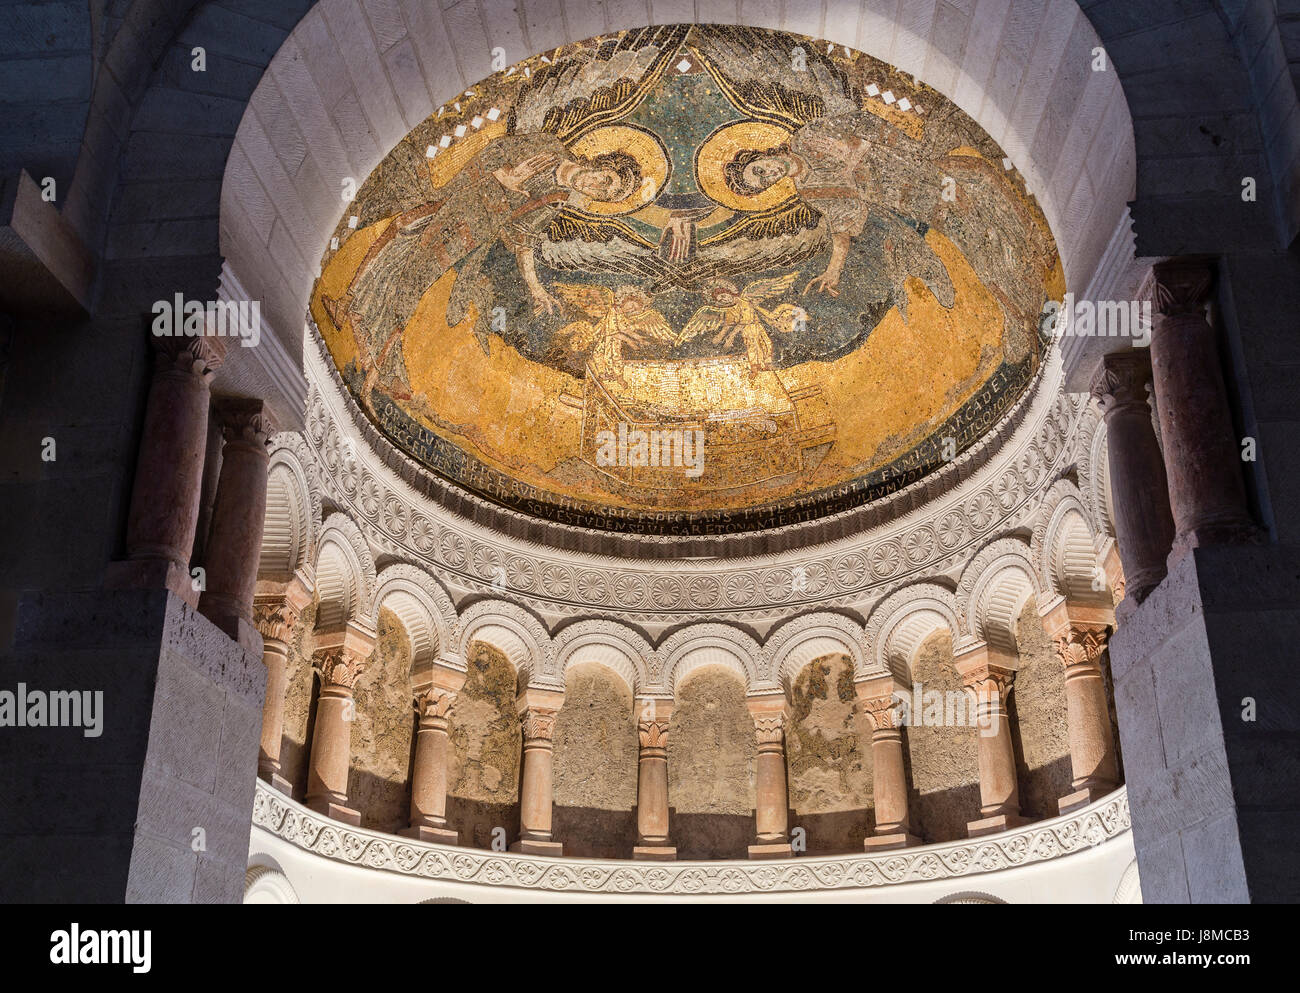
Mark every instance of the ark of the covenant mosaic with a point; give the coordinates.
(689, 279)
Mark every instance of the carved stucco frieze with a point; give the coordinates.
(1095, 824)
(930, 524)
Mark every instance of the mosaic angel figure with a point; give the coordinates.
(619, 318)
(736, 313)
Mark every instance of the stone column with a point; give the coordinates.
(771, 799)
(238, 517)
(989, 685)
(652, 784)
(429, 770)
(1079, 635)
(1202, 456)
(1144, 525)
(537, 710)
(340, 662)
(164, 510)
(276, 617)
(888, 774)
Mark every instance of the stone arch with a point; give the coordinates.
(611, 644)
(809, 637)
(345, 575)
(347, 112)
(1093, 462)
(514, 632)
(901, 623)
(293, 512)
(1063, 546)
(713, 644)
(992, 591)
(267, 884)
(423, 607)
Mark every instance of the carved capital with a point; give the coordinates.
(275, 617)
(338, 666)
(769, 728)
(881, 710)
(653, 734)
(194, 355)
(1080, 645)
(434, 705)
(538, 723)
(988, 681)
(1123, 379)
(1182, 285)
(243, 420)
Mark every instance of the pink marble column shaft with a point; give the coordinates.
(429, 769)
(1202, 454)
(989, 685)
(652, 786)
(1079, 635)
(276, 617)
(1144, 525)
(339, 666)
(169, 470)
(888, 773)
(537, 712)
(771, 794)
(238, 518)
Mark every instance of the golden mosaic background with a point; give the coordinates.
(785, 249)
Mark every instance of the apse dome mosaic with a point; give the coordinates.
(689, 280)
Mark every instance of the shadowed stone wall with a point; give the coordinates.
(595, 765)
(711, 757)
(379, 773)
(944, 760)
(1039, 730)
(828, 752)
(485, 751)
(299, 709)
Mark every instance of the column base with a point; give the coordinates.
(1081, 798)
(655, 853)
(772, 850)
(152, 574)
(994, 824)
(1225, 533)
(335, 811)
(435, 835)
(278, 782)
(525, 847)
(884, 842)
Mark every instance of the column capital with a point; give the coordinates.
(275, 618)
(1182, 285)
(339, 666)
(769, 728)
(244, 419)
(984, 677)
(876, 699)
(537, 710)
(197, 355)
(1081, 645)
(434, 701)
(1123, 379)
(538, 723)
(652, 734)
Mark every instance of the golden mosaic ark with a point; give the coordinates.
(689, 279)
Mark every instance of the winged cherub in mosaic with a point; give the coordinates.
(736, 313)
